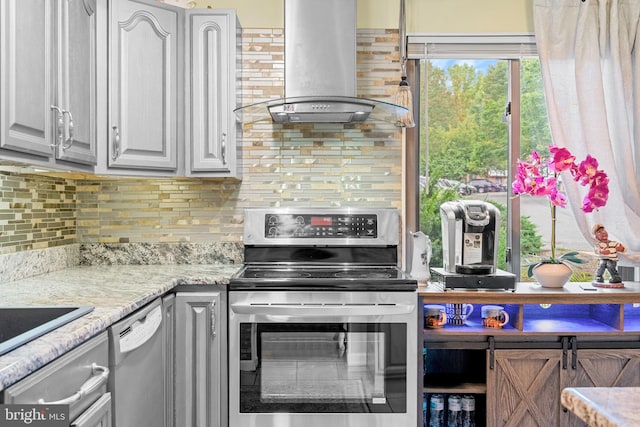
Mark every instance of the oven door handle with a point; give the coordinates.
(323, 310)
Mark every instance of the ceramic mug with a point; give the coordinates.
(434, 316)
(494, 316)
(457, 314)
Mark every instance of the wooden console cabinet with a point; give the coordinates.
(569, 337)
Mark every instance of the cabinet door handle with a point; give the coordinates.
(59, 126)
(224, 148)
(213, 318)
(574, 353)
(100, 376)
(115, 138)
(70, 130)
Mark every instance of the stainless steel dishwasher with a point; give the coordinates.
(137, 368)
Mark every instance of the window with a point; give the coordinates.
(481, 106)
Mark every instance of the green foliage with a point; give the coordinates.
(530, 240)
(430, 223)
(502, 237)
(535, 133)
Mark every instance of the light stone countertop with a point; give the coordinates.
(604, 406)
(113, 291)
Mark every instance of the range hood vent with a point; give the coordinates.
(320, 69)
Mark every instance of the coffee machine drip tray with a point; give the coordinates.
(500, 280)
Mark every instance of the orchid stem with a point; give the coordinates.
(553, 232)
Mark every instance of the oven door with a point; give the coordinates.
(322, 359)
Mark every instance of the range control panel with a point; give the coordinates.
(321, 226)
(330, 226)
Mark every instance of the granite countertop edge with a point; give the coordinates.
(603, 406)
(113, 291)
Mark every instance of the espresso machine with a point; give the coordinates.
(470, 233)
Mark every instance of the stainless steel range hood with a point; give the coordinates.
(320, 69)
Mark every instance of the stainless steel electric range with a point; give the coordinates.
(322, 322)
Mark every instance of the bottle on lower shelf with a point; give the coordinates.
(425, 420)
(436, 411)
(468, 411)
(460, 411)
(454, 414)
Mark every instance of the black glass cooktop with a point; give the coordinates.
(322, 278)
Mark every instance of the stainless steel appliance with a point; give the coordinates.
(320, 69)
(323, 325)
(469, 236)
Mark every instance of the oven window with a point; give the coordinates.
(323, 368)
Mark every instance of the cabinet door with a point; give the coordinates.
(606, 368)
(26, 67)
(523, 388)
(143, 85)
(602, 368)
(201, 385)
(98, 414)
(77, 79)
(211, 93)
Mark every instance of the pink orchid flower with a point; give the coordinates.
(530, 180)
(562, 159)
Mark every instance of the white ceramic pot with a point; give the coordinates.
(552, 275)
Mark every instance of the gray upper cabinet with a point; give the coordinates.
(48, 80)
(119, 87)
(211, 52)
(144, 85)
(76, 90)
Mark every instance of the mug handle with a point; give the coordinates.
(466, 315)
(444, 318)
(506, 318)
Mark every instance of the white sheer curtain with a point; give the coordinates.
(589, 57)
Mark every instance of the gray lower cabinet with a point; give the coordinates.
(78, 379)
(49, 81)
(98, 415)
(201, 358)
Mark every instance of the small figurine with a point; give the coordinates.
(607, 251)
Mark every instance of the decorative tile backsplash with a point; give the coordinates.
(146, 210)
(283, 165)
(36, 212)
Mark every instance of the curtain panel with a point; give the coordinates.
(589, 58)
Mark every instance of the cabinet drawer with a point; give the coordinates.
(65, 376)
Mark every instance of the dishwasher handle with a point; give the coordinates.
(99, 377)
(323, 310)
